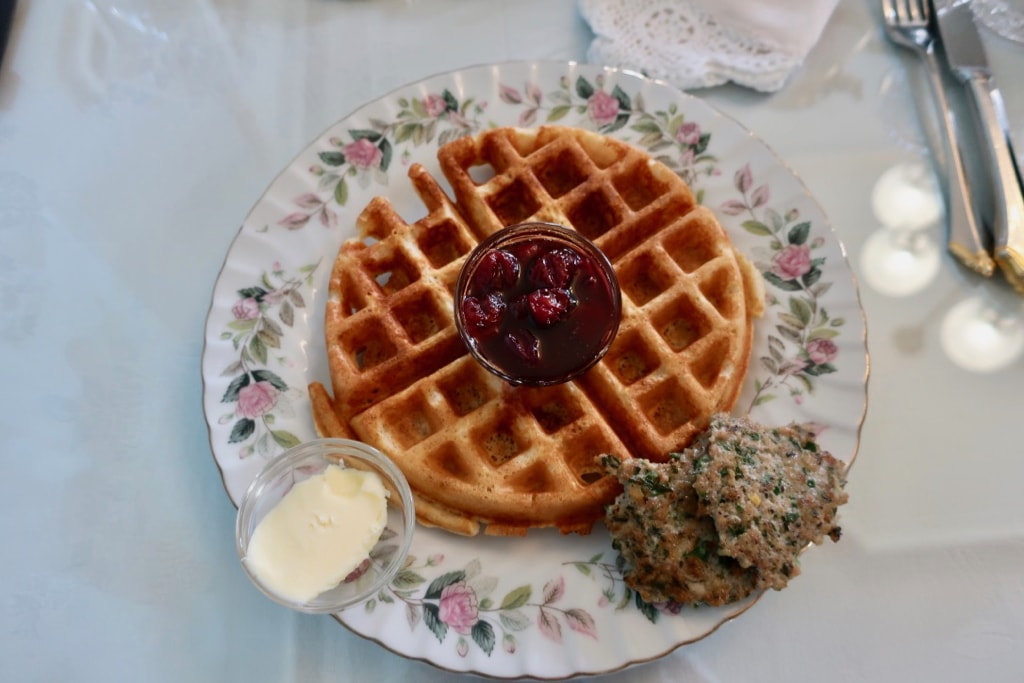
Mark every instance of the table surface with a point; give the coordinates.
(134, 138)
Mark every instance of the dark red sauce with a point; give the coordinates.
(537, 304)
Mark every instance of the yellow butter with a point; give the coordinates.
(322, 530)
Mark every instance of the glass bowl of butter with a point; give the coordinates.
(325, 525)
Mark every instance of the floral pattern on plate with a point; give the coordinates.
(545, 606)
(461, 601)
(260, 318)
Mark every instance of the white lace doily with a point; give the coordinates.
(702, 43)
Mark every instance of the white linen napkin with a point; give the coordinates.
(702, 43)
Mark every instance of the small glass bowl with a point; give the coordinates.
(309, 459)
(574, 355)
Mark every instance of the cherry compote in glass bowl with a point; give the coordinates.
(537, 304)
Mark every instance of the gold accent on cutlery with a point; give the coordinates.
(979, 260)
(1011, 262)
(908, 24)
(967, 60)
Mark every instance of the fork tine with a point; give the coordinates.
(895, 7)
(912, 7)
(902, 16)
(919, 10)
(890, 12)
(926, 10)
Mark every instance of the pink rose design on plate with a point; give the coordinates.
(459, 607)
(822, 351)
(792, 261)
(256, 399)
(687, 158)
(246, 309)
(689, 133)
(603, 108)
(363, 154)
(435, 105)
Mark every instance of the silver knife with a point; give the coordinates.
(968, 62)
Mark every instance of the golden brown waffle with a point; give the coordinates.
(475, 449)
(683, 344)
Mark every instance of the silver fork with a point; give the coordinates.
(908, 24)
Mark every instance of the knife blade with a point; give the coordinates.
(965, 53)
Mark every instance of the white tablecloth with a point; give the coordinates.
(134, 138)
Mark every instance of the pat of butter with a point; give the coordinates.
(322, 529)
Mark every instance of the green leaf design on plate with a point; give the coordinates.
(332, 158)
(407, 579)
(264, 375)
(483, 635)
(514, 620)
(284, 438)
(583, 88)
(799, 232)
(517, 597)
(432, 618)
(242, 430)
(787, 285)
(757, 228)
(341, 192)
(440, 583)
(237, 384)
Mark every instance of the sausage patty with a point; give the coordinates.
(727, 516)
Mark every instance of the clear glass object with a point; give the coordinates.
(310, 459)
(564, 349)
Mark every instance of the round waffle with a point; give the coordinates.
(478, 451)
